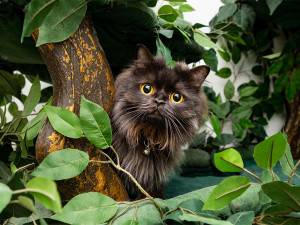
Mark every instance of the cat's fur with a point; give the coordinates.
(139, 121)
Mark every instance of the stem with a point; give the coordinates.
(33, 220)
(118, 160)
(135, 214)
(118, 167)
(96, 161)
(24, 167)
(132, 203)
(245, 170)
(122, 213)
(33, 190)
(271, 170)
(293, 171)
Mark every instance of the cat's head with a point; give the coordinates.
(158, 102)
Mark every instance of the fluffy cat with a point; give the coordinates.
(157, 109)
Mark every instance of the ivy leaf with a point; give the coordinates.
(64, 121)
(229, 90)
(87, 208)
(268, 152)
(273, 4)
(230, 155)
(216, 125)
(62, 21)
(95, 123)
(51, 199)
(224, 72)
(168, 13)
(229, 189)
(71, 161)
(282, 193)
(5, 196)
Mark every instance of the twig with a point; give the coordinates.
(122, 213)
(293, 171)
(24, 167)
(271, 156)
(245, 170)
(118, 167)
(33, 190)
(96, 161)
(33, 220)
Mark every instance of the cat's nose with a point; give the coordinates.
(159, 101)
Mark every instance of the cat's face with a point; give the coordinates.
(153, 98)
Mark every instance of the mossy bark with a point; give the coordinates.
(77, 67)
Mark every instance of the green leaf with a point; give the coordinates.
(9, 84)
(168, 13)
(286, 161)
(224, 56)
(95, 123)
(216, 109)
(27, 203)
(268, 152)
(245, 218)
(245, 16)
(281, 82)
(229, 90)
(247, 91)
(88, 208)
(275, 67)
(241, 112)
(186, 8)
(49, 187)
(71, 161)
(163, 51)
(224, 72)
(38, 10)
(210, 58)
(295, 78)
(34, 126)
(230, 155)
(267, 176)
(64, 121)
(249, 101)
(257, 70)
(216, 125)
(282, 193)
(278, 209)
(62, 21)
(245, 123)
(272, 56)
(5, 173)
(235, 38)
(167, 33)
(229, 189)
(290, 92)
(238, 131)
(5, 196)
(226, 11)
(205, 41)
(131, 222)
(273, 4)
(196, 218)
(229, 27)
(236, 54)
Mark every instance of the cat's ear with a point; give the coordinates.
(143, 53)
(199, 73)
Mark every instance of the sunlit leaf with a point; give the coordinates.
(230, 155)
(216, 125)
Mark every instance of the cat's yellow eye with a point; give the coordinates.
(147, 89)
(176, 97)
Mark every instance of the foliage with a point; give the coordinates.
(96, 208)
(259, 83)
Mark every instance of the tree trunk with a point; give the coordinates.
(78, 66)
(292, 125)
